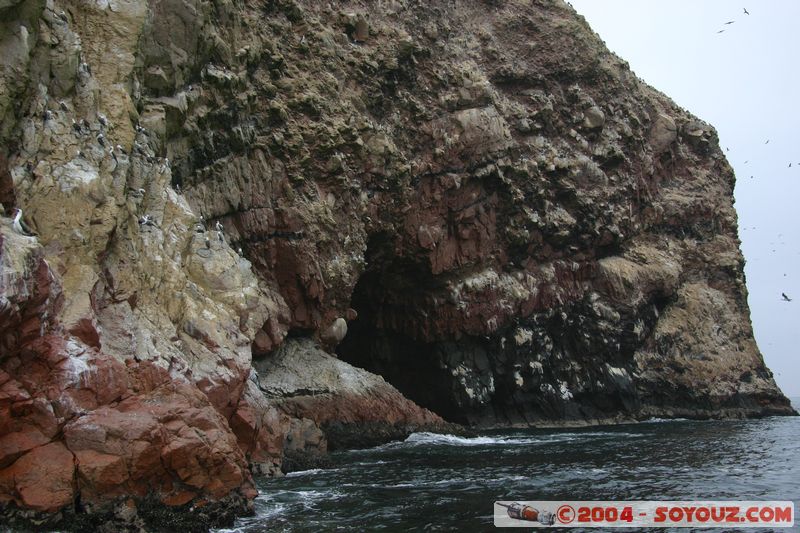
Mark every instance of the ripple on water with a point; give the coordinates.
(446, 482)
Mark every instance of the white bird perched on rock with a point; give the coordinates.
(239, 251)
(218, 226)
(136, 192)
(19, 225)
(220, 236)
(146, 220)
(102, 119)
(208, 243)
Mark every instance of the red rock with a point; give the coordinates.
(100, 475)
(260, 429)
(12, 445)
(43, 478)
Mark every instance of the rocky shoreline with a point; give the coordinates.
(257, 232)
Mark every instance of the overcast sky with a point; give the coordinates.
(745, 81)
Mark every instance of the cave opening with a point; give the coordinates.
(395, 300)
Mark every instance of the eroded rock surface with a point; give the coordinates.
(353, 407)
(474, 200)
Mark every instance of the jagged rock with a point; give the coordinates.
(353, 407)
(594, 118)
(663, 133)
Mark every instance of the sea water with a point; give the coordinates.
(435, 482)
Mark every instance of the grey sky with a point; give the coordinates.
(745, 82)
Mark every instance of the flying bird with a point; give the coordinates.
(720, 31)
(785, 298)
(746, 12)
(730, 22)
(767, 142)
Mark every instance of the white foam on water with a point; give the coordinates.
(263, 512)
(279, 497)
(309, 472)
(592, 434)
(453, 440)
(662, 420)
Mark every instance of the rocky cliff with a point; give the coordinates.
(479, 210)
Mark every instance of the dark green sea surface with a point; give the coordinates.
(446, 483)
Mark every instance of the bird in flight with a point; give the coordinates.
(730, 22)
(720, 31)
(746, 12)
(785, 298)
(767, 142)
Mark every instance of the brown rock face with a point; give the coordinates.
(351, 406)
(81, 431)
(474, 200)
(518, 222)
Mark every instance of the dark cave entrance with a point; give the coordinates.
(394, 300)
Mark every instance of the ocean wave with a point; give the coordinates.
(426, 438)
(277, 497)
(593, 434)
(263, 513)
(300, 473)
